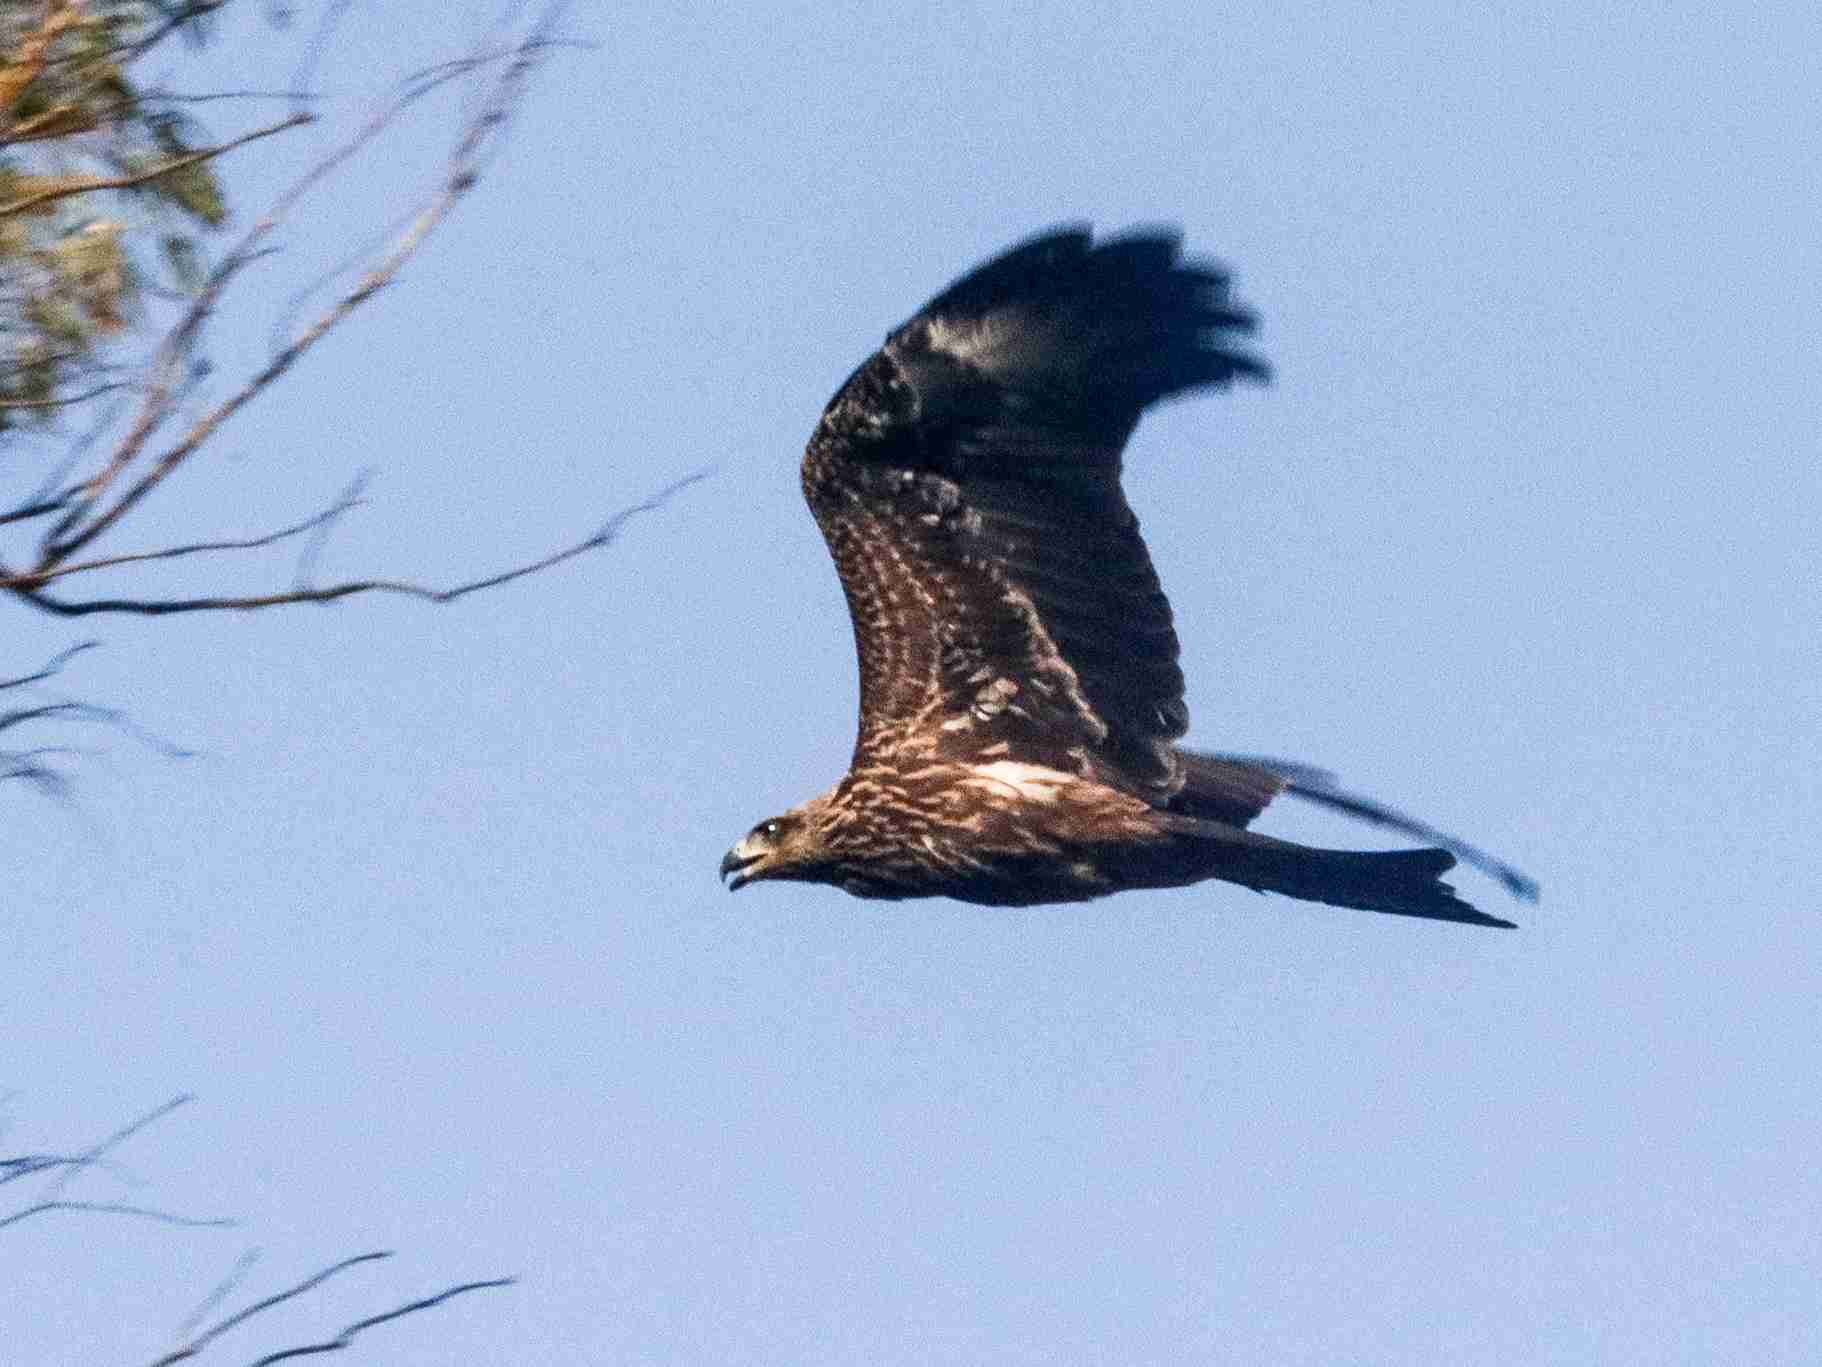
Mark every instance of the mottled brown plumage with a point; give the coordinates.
(1020, 697)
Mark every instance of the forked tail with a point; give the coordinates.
(1398, 882)
(1401, 882)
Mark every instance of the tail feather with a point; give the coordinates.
(1236, 788)
(1396, 882)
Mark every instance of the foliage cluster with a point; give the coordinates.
(105, 187)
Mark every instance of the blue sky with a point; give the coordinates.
(1521, 538)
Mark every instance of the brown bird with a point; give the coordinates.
(1020, 697)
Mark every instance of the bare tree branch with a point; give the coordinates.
(194, 10)
(84, 184)
(63, 402)
(239, 1317)
(219, 1293)
(30, 766)
(343, 1339)
(70, 535)
(314, 523)
(94, 1154)
(95, 491)
(70, 1166)
(346, 1337)
(194, 1344)
(39, 507)
(55, 665)
(159, 96)
(163, 1217)
(22, 584)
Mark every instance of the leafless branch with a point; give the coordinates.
(196, 9)
(343, 1339)
(155, 431)
(95, 1153)
(239, 1317)
(84, 184)
(157, 96)
(38, 507)
(346, 1337)
(79, 528)
(22, 715)
(20, 584)
(27, 766)
(163, 1217)
(65, 401)
(28, 1165)
(70, 1166)
(32, 766)
(50, 668)
(317, 522)
(219, 1293)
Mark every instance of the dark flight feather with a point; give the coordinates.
(983, 444)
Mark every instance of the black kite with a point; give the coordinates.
(1020, 699)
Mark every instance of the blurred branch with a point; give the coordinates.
(82, 185)
(342, 1340)
(24, 585)
(348, 500)
(91, 1156)
(50, 669)
(79, 527)
(167, 416)
(30, 1165)
(64, 402)
(346, 1337)
(163, 1217)
(70, 1166)
(188, 13)
(30, 766)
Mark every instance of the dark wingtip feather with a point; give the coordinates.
(1162, 324)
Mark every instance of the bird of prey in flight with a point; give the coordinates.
(1020, 697)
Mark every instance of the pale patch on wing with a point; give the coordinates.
(1032, 782)
(973, 341)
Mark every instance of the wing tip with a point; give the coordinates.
(1128, 313)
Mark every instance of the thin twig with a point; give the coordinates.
(346, 1337)
(226, 1287)
(42, 508)
(163, 1217)
(120, 1136)
(239, 1317)
(153, 607)
(34, 579)
(70, 535)
(157, 96)
(21, 716)
(350, 498)
(196, 9)
(64, 402)
(52, 667)
(83, 186)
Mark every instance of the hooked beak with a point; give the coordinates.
(731, 865)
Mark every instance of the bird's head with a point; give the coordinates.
(785, 846)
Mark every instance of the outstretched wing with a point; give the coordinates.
(967, 480)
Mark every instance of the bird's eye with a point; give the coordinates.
(770, 829)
